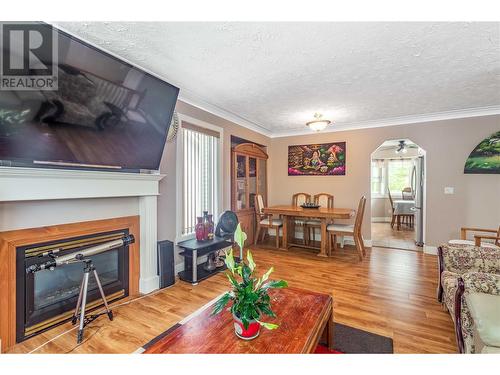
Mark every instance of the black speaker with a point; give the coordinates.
(166, 263)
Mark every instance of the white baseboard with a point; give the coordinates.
(147, 285)
(432, 250)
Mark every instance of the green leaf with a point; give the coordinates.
(245, 322)
(269, 326)
(229, 260)
(246, 273)
(264, 277)
(275, 284)
(232, 280)
(251, 263)
(266, 309)
(240, 237)
(221, 303)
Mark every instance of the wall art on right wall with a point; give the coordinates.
(485, 158)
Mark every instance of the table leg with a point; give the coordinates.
(330, 328)
(324, 239)
(285, 232)
(195, 267)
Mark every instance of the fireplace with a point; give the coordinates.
(48, 297)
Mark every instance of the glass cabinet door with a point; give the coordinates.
(261, 179)
(252, 180)
(241, 182)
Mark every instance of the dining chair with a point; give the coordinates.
(407, 194)
(265, 221)
(324, 200)
(394, 217)
(297, 200)
(353, 230)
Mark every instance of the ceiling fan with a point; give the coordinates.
(402, 148)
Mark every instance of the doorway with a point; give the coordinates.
(398, 195)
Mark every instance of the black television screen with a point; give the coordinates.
(104, 112)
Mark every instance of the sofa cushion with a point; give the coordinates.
(485, 311)
(464, 258)
(460, 259)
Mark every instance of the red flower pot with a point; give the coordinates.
(250, 333)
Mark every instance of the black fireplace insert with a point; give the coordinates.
(47, 298)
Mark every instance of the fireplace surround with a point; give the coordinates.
(62, 194)
(12, 243)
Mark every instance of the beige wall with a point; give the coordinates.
(447, 143)
(167, 199)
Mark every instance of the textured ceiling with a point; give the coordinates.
(276, 75)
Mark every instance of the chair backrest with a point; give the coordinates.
(259, 204)
(300, 198)
(359, 214)
(324, 200)
(407, 193)
(390, 199)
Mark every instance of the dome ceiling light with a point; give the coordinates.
(318, 123)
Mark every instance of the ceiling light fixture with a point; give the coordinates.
(318, 123)
(402, 148)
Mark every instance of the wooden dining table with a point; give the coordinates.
(324, 214)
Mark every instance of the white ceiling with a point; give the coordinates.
(273, 76)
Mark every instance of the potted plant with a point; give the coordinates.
(249, 294)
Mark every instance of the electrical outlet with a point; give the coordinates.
(449, 190)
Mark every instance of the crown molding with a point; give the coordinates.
(192, 99)
(395, 121)
(195, 101)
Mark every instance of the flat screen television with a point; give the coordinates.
(105, 113)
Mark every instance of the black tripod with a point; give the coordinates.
(82, 300)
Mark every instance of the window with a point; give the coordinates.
(378, 177)
(394, 174)
(200, 174)
(399, 174)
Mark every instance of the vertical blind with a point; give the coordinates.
(201, 171)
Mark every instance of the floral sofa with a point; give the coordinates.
(465, 269)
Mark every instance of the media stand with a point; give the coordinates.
(192, 250)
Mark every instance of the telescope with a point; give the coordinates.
(84, 257)
(78, 256)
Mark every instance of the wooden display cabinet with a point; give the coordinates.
(248, 178)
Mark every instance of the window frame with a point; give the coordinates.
(179, 195)
(385, 179)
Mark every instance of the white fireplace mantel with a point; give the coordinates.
(35, 184)
(24, 184)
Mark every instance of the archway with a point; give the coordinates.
(398, 192)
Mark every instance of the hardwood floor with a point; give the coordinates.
(391, 293)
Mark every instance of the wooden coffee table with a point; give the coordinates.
(303, 317)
